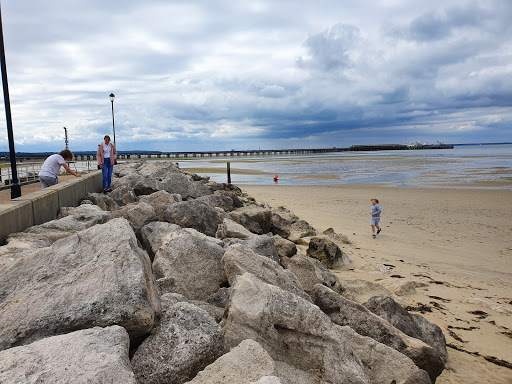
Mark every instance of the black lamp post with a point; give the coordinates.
(15, 185)
(112, 97)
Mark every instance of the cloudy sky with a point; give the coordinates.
(216, 74)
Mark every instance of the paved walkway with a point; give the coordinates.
(5, 195)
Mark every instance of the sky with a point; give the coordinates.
(272, 74)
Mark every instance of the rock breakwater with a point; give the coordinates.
(172, 278)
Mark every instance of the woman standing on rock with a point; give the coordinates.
(51, 166)
(106, 156)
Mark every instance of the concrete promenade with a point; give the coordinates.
(44, 205)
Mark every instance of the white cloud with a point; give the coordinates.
(197, 73)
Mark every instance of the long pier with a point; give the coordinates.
(267, 152)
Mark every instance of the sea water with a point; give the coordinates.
(465, 166)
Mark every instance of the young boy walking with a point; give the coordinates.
(375, 213)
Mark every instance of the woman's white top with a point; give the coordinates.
(106, 150)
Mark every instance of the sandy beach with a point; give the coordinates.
(456, 241)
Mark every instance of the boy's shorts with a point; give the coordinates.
(375, 221)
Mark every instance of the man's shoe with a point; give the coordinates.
(105, 191)
(110, 190)
(374, 235)
(378, 231)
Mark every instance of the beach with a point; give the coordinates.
(455, 242)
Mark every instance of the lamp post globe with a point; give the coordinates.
(112, 97)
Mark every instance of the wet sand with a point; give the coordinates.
(456, 241)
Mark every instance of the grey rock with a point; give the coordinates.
(190, 266)
(223, 201)
(219, 298)
(327, 252)
(124, 169)
(231, 229)
(157, 169)
(138, 214)
(282, 219)
(70, 221)
(253, 217)
(185, 342)
(238, 260)
(263, 245)
(291, 329)
(345, 312)
(183, 185)
(413, 325)
(382, 364)
(95, 355)
(96, 277)
(336, 237)
(284, 247)
(160, 201)
(301, 229)
(123, 194)
(194, 214)
(268, 380)
(310, 271)
(139, 184)
(105, 202)
(169, 299)
(156, 234)
(247, 362)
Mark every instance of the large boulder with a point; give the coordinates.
(194, 214)
(261, 244)
(245, 363)
(310, 272)
(70, 221)
(413, 325)
(284, 247)
(229, 229)
(218, 200)
(238, 260)
(300, 229)
(345, 312)
(160, 201)
(95, 355)
(138, 214)
(336, 237)
(157, 169)
(282, 219)
(185, 342)
(183, 185)
(190, 266)
(253, 217)
(383, 364)
(123, 194)
(325, 250)
(156, 234)
(105, 202)
(96, 277)
(124, 169)
(291, 329)
(134, 181)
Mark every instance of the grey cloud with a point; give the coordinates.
(331, 48)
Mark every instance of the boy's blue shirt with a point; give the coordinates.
(376, 210)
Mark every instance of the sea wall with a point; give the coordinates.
(42, 206)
